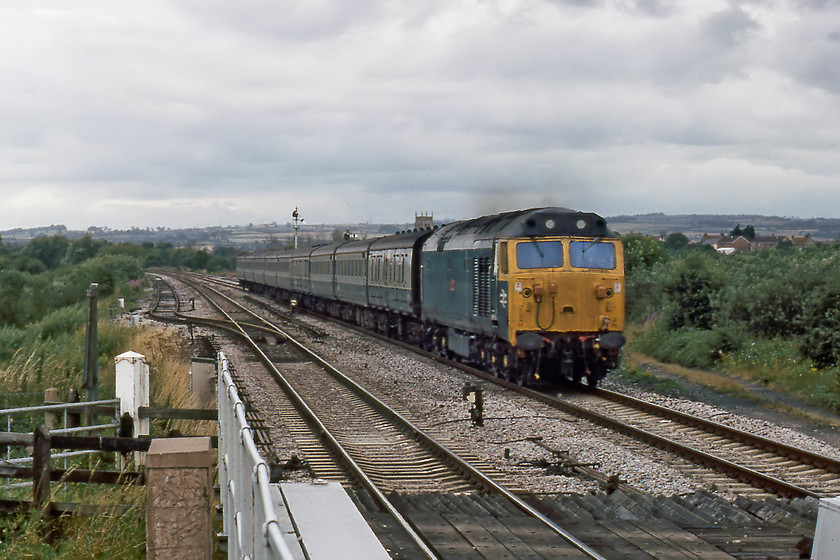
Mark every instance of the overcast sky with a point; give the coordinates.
(211, 112)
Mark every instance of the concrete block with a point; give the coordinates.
(179, 489)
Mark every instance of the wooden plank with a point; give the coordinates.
(16, 438)
(443, 538)
(41, 468)
(76, 475)
(94, 443)
(664, 540)
(523, 536)
(59, 508)
(482, 540)
(542, 540)
(605, 541)
(178, 413)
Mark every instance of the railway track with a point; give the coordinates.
(774, 466)
(746, 464)
(375, 446)
(752, 465)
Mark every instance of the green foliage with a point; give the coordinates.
(641, 251)
(647, 380)
(61, 322)
(821, 319)
(43, 309)
(49, 250)
(79, 537)
(772, 314)
(690, 347)
(676, 242)
(84, 248)
(49, 273)
(690, 287)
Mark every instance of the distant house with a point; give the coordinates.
(801, 242)
(727, 244)
(765, 242)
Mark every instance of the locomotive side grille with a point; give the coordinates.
(481, 287)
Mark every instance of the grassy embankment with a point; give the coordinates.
(743, 324)
(50, 353)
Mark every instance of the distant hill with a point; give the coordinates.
(260, 236)
(695, 225)
(251, 237)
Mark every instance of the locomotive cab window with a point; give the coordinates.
(592, 254)
(539, 254)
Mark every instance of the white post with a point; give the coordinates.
(827, 537)
(132, 388)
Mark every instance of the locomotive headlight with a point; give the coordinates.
(602, 291)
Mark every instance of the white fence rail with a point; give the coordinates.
(250, 521)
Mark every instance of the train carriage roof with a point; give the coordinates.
(324, 250)
(404, 240)
(359, 246)
(535, 222)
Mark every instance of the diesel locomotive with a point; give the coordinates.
(535, 296)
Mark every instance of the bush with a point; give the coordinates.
(690, 288)
(690, 347)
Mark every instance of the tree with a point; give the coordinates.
(749, 233)
(676, 242)
(691, 287)
(84, 248)
(641, 251)
(736, 231)
(49, 250)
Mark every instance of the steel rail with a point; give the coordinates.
(440, 449)
(801, 455)
(324, 432)
(734, 470)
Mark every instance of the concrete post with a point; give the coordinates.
(203, 382)
(179, 488)
(132, 388)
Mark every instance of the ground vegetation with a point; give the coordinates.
(772, 316)
(43, 305)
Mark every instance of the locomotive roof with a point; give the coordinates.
(534, 222)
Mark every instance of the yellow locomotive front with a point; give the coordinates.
(565, 304)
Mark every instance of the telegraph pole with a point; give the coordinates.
(297, 221)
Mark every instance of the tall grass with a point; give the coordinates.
(53, 359)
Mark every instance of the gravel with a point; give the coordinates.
(430, 394)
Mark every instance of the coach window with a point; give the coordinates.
(539, 254)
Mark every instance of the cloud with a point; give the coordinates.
(199, 113)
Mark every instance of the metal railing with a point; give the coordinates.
(8, 413)
(65, 408)
(250, 521)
